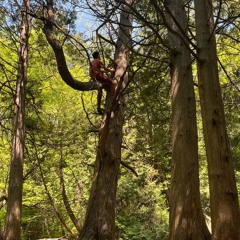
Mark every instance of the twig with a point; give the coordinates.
(229, 78)
(87, 115)
(130, 168)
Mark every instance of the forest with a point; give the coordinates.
(158, 158)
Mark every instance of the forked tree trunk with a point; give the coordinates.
(186, 216)
(14, 205)
(223, 193)
(100, 216)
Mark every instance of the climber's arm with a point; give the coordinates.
(109, 69)
(105, 69)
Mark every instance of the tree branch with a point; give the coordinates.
(130, 168)
(65, 197)
(228, 77)
(62, 65)
(50, 198)
(63, 70)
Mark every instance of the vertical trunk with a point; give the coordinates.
(223, 192)
(186, 216)
(14, 206)
(100, 216)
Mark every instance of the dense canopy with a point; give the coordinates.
(161, 162)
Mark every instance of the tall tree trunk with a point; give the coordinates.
(223, 192)
(186, 216)
(14, 205)
(100, 216)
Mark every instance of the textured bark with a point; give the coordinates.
(100, 216)
(186, 216)
(14, 205)
(223, 193)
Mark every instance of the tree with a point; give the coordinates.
(100, 216)
(186, 216)
(14, 205)
(223, 193)
(61, 142)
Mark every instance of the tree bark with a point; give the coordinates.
(223, 193)
(100, 216)
(186, 216)
(14, 205)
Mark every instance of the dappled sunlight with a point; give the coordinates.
(122, 159)
(178, 216)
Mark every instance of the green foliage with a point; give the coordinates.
(142, 208)
(61, 126)
(229, 75)
(142, 202)
(56, 127)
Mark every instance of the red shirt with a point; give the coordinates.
(95, 68)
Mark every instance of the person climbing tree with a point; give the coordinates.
(96, 72)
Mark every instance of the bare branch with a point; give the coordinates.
(65, 197)
(63, 70)
(130, 168)
(62, 65)
(229, 78)
(87, 115)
